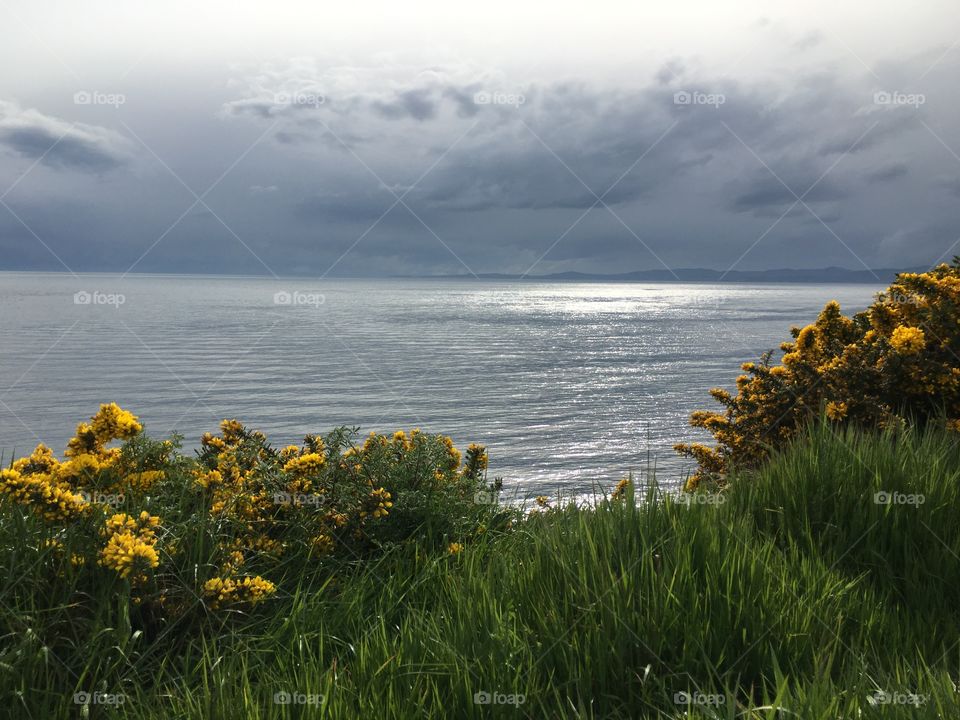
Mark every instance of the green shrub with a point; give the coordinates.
(897, 361)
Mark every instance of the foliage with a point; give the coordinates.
(796, 594)
(898, 360)
(177, 537)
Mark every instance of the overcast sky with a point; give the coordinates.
(381, 138)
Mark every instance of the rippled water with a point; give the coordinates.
(568, 384)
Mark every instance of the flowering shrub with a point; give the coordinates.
(897, 360)
(217, 531)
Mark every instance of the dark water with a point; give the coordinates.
(567, 384)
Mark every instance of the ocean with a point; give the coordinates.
(569, 385)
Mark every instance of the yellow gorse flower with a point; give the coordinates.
(620, 491)
(836, 410)
(55, 501)
(907, 340)
(129, 555)
(248, 590)
(896, 358)
(308, 464)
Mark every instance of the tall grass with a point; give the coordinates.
(794, 593)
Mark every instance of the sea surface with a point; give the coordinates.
(570, 385)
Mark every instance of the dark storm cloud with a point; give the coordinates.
(765, 191)
(58, 143)
(418, 104)
(887, 173)
(506, 175)
(551, 150)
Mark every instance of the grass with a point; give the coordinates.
(793, 593)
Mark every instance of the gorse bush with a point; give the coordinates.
(174, 535)
(898, 360)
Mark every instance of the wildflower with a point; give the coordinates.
(323, 544)
(84, 441)
(453, 454)
(288, 452)
(620, 491)
(477, 461)
(41, 461)
(227, 591)
(454, 548)
(542, 501)
(907, 340)
(208, 478)
(209, 440)
(114, 423)
(53, 500)
(379, 500)
(80, 468)
(308, 464)
(143, 526)
(129, 555)
(143, 481)
(836, 410)
(232, 430)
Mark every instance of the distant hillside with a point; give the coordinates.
(881, 276)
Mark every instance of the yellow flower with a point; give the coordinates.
(288, 452)
(477, 460)
(227, 591)
(379, 500)
(41, 461)
(53, 500)
(907, 340)
(836, 410)
(621, 489)
(129, 555)
(308, 464)
(114, 423)
(143, 525)
(208, 478)
(145, 480)
(454, 548)
(232, 430)
(323, 543)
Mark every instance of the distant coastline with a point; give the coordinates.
(783, 275)
(828, 275)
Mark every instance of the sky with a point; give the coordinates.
(379, 139)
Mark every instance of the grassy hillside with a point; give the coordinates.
(799, 588)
